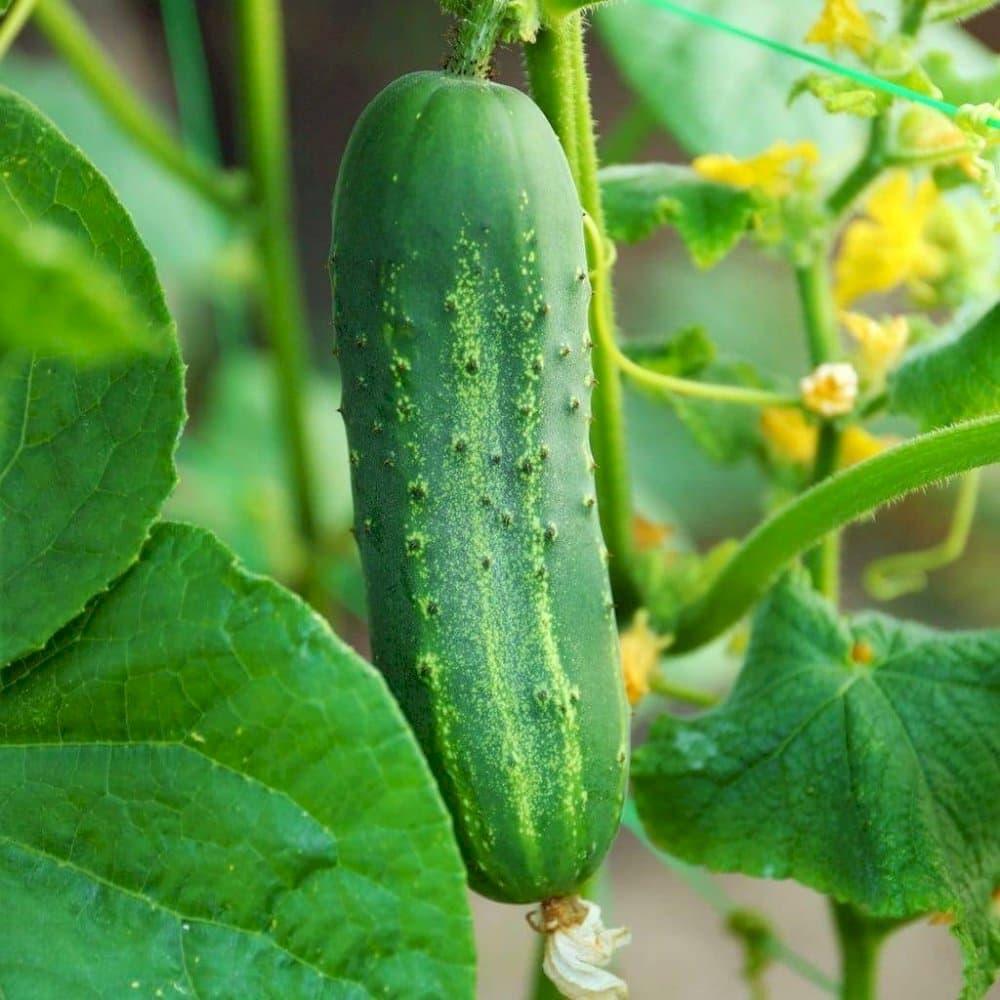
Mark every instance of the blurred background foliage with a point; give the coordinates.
(714, 95)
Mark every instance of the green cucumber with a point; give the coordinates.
(460, 292)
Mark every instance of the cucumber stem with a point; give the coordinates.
(261, 39)
(477, 38)
(67, 33)
(826, 507)
(11, 25)
(557, 73)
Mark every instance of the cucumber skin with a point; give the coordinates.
(460, 293)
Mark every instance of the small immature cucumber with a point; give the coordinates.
(460, 291)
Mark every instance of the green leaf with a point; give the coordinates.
(951, 379)
(860, 758)
(717, 94)
(206, 793)
(840, 96)
(980, 88)
(58, 299)
(233, 468)
(685, 353)
(710, 218)
(195, 248)
(4, 4)
(86, 454)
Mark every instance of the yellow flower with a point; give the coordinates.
(882, 343)
(641, 649)
(790, 436)
(831, 390)
(857, 444)
(648, 535)
(842, 23)
(774, 171)
(889, 246)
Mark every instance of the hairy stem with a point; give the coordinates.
(68, 35)
(558, 76)
(261, 41)
(828, 506)
(477, 38)
(11, 25)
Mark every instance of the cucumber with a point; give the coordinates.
(460, 291)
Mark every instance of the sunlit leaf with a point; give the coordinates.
(953, 378)
(86, 453)
(205, 793)
(861, 758)
(710, 218)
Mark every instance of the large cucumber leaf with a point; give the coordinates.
(86, 454)
(952, 379)
(205, 793)
(58, 299)
(861, 758)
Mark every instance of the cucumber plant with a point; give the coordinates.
(203, 790)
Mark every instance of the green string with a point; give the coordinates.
(859, 76)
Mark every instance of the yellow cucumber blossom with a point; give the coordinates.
(889, 246)
(790, 437)
(775, 172)
(647, 535)
(857, 444)
(882, 342)
(843, 24)
(641, 649)
(793, 439)
(831, 390)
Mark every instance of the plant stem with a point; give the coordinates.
(477, 38)
(861, 940)
(558, 75)
(710, 891)
(824, 345)
(261, 41)
(666, 688)
(190, 74)
(893, 576)
(11, 25)
(913, 17)
(837, 501)
(823, 562)
(68, 35)
(662, 384)
(871, 164)
(196, 111)
(818, 312)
